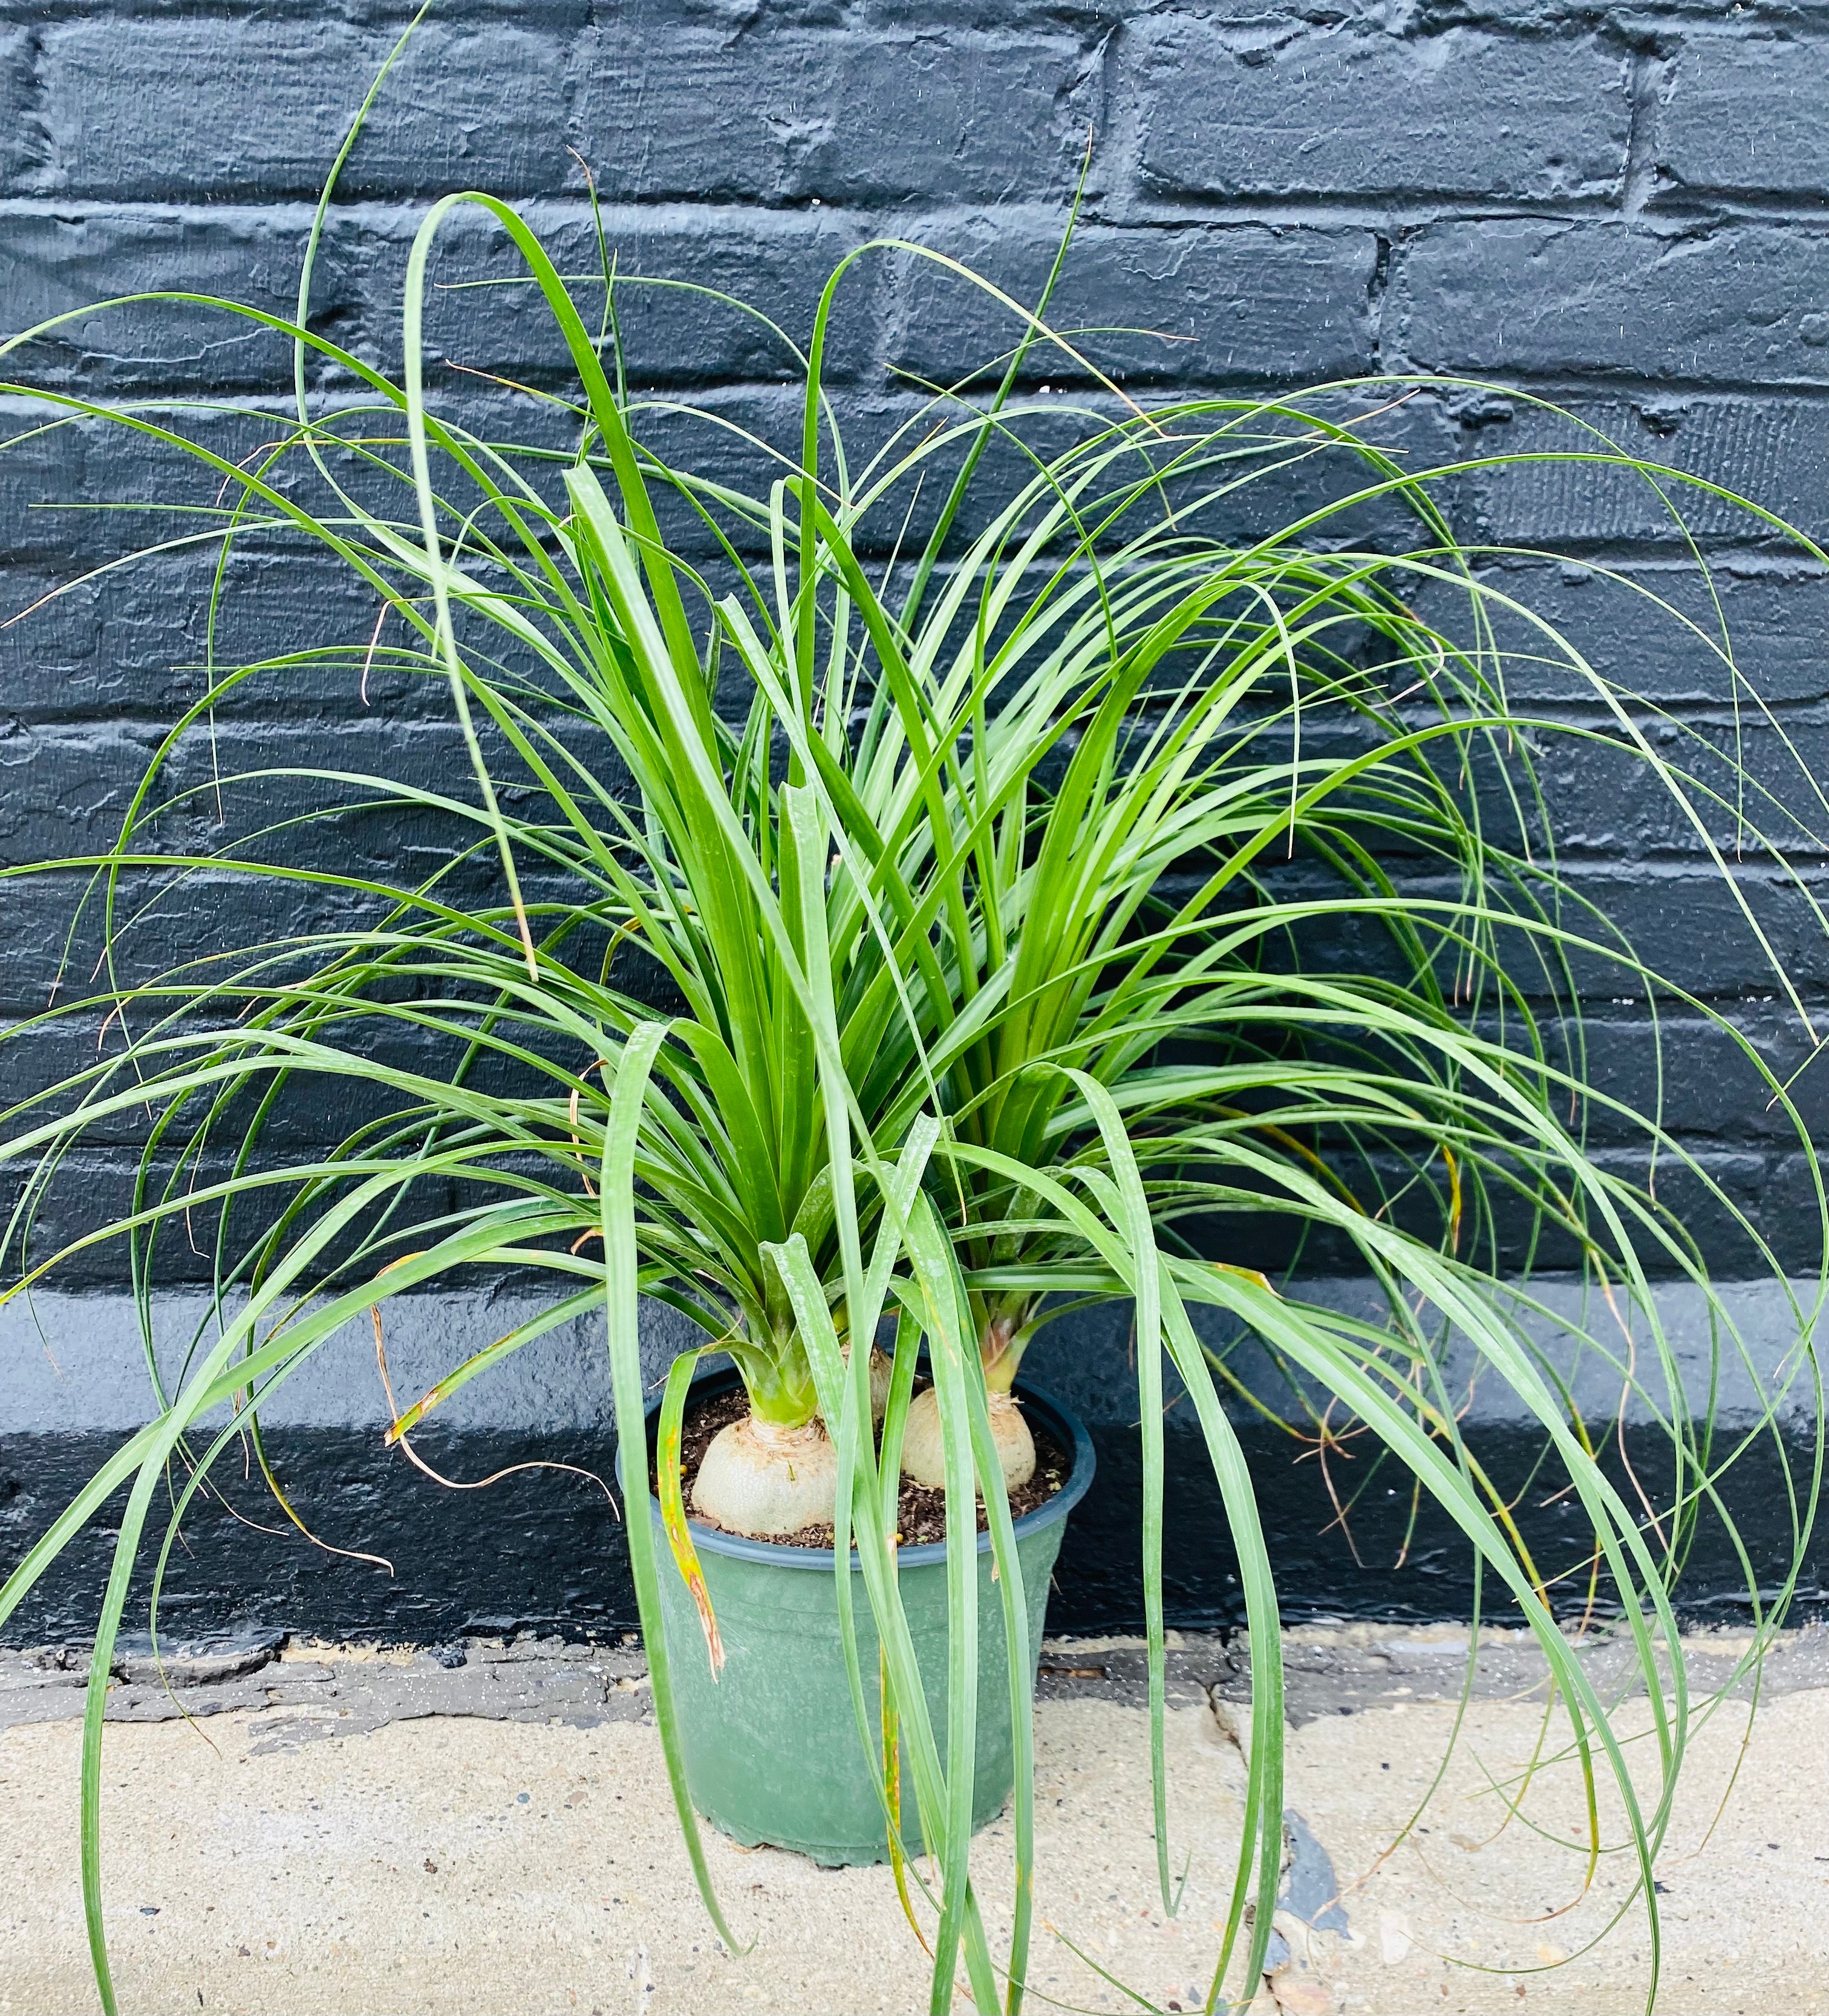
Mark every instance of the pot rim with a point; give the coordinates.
(1065, 1425)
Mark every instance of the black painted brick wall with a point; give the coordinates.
(1623, 207)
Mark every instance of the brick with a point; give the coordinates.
(1685, 921)
(268, 768)
(51, 265)
(65, 787)
(1222, 303)
(1771, 1191)
(739, 433)
(1608, 802)
(272, 606)
(273, 771)
(141, 110)
(165, 924)
(1650, 627)
(52, 476)
(1252, 499)
(673, 333)
(1771, 1194)
(1091, 18)
(40, 912)
(39, 1059)
(22, 138)
(95, 1188)
(63, 790)
(1747, 115)
(1711, 1090)
(781, 115)
(1742, 304)
(899, 521)
(1681, 915)
(1224, 112)
(111, 644)
(132, 642)
(1775, 451)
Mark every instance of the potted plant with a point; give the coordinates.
(834, 937)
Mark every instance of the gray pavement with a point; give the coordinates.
(485, 1826)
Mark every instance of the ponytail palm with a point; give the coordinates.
(848, 920)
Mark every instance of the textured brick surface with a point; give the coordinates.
(134, 642)
(1200, 305)
(52, 263)
(1562, 299)
(942, 113)
(1235, 111)
(21, 137)
(188, 107)
(1623, 214)
(1771, 449)
(1613, 616)
(1747, 113)
(671, 260)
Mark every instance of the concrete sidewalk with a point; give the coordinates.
(371, 1833)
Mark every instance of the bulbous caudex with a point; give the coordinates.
(881, 1372)
(1000, 1349)
(762, 1479)
(923, 1451)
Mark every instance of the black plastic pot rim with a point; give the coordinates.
(1063, 1422)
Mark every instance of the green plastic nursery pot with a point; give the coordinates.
(771, 1751)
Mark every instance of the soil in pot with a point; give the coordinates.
(921, 1513)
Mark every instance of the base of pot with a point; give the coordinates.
(862, 1857)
